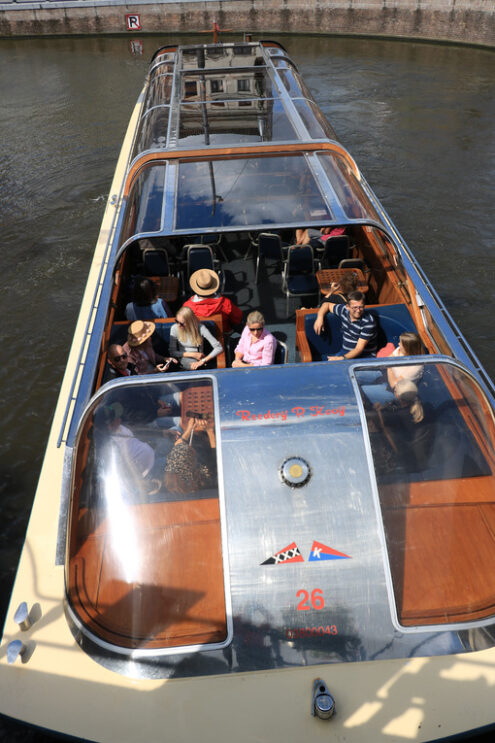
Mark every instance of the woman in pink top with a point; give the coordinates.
(256, 346)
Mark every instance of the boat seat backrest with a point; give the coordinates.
(392, 320)
(161, 337)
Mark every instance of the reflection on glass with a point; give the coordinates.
(153, 130)
(234, 121)
(248, 191)
(353, 199)
(210, 86)
(433, 448)
(145, 553)
(144, 206)
(313, 119)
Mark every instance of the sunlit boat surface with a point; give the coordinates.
(318, 562)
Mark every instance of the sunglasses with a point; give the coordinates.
(119, 358)
(256, 330)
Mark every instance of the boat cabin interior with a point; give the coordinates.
(208, 188)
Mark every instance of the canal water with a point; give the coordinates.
(418, 118)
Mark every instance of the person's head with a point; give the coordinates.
(255, 322)
(406, 393)
(355, 304)
(348, 283)
(139, 332)
(108, 416)
(117, 357)
(144, 291)
(204, 282)
(410, 344)
(188, 326)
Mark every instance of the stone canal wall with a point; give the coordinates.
(459, 21)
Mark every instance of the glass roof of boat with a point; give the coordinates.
(213, 95)
(246, 192)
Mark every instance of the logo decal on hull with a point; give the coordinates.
(320, 552)
(290, 553)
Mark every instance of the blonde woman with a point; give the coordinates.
(187, 338)
(256, 346)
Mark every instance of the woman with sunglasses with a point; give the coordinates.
(256, 346)
(187, 338)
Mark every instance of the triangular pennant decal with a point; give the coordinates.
(290, 553)
(320, 552)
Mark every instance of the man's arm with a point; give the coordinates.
(354, 353)
(320, 318)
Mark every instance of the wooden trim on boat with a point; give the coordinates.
(230, 153)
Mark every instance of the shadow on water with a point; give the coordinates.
(418, 118)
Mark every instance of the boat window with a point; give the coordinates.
(275, 51)
(294, 83)
(347, 187)
(214, 56)
(228, 121)
(145, 557)
(313, 119)
(159, 90)
(284, 63)
(144, 206)
(248, 191)
(153, 130)
(433, 447)
(225, 87)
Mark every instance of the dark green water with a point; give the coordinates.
(418, 118)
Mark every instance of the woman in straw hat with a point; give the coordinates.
(187, 341)
(140, 350)
(206, 302)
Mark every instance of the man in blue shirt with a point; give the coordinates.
(358, 327)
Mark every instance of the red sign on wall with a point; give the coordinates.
(133, 22)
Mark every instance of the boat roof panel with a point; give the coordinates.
(220, 92)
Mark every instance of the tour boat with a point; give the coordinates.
(312, 568)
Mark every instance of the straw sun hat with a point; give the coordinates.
(204, 282)
(139, 331)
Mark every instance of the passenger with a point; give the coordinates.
(317, 238)
(410, 344)
(372, 383)
(256, 346)
(206, 302)
(358, 327)
(340, 290)
(191, 464)
(146, 305)
(408, 426)
(140, 349)
(187, 341)
(137, 455)
(118, 364)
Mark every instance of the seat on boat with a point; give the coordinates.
(392, 320)
(334, 250)
(118, 334)
(155, 262)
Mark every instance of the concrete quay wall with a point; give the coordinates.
(457, 21)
